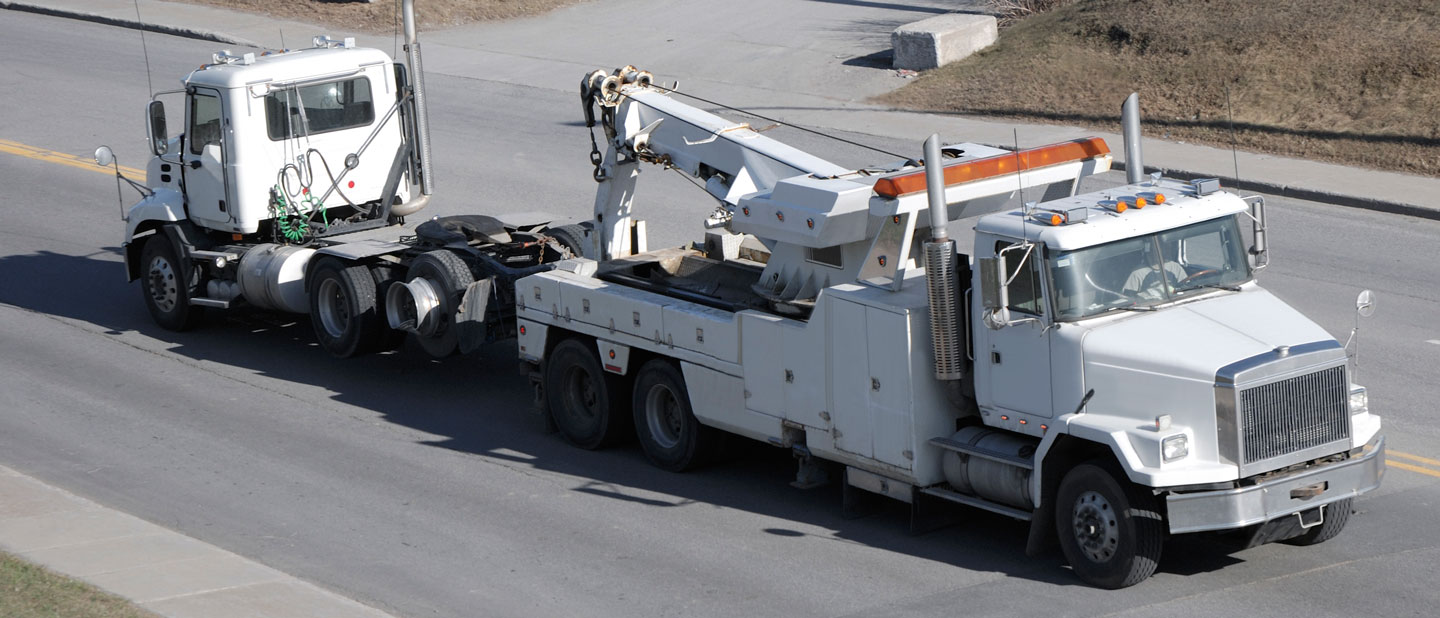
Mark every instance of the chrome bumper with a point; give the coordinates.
(1236, 508)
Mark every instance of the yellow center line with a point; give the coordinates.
(84, 163)
(1424, 460)
(1405, 466)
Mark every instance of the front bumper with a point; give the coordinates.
(1280, 497)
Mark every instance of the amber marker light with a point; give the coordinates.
(998, 165)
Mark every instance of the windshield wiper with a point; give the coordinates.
(1214, 286)
(1135, 308)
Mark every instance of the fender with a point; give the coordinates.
(163, 206)
(1073, 440)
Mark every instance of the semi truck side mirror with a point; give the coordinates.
(159, 139)
(993, 293)
(1365, 304)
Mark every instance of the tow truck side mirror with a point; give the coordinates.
(993, 296)
(159, 139)
(1259, 253)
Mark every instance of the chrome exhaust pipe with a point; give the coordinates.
(422, 115)
(1130, 118)
(941, 277)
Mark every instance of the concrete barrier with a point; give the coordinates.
(940, 40)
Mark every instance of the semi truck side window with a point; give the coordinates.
(204, 121)
(319, 108)
(1025, 293)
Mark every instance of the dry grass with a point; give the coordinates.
(383, 15)
(1011, 11)
(29, 591)
(1337, 80)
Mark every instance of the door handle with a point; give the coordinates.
(195, 164)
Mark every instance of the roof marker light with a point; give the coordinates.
(1114, 205)
(1049, 217)
(1152, 197)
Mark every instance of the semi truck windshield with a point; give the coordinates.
(1145, 271)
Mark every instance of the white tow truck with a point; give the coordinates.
(288, 189)
(1104, 366)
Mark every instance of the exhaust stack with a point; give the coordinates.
(1130, 118)
(940, 273)
(422, 115)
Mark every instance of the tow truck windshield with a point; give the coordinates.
(1142, 272)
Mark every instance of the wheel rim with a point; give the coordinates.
(663, 416)
(581, 395)
(334, 308)
(1097, 530)
(163, 288)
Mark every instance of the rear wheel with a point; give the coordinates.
(343, 310)
(673, 439)
(451, 277)
(166, 289)
(587, 404)
(1337, 514)
(574, 237)
(1110, 530)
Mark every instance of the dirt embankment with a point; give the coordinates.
(384, 15)
(1338, 80)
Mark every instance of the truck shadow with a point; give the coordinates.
(479, 405)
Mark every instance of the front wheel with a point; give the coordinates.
(166, 288)
(1337, 514)
(673, 439)
(1110, 531)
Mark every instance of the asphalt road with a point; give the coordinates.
(428, 488)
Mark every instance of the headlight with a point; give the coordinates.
(1359, 401)
(1175, 447)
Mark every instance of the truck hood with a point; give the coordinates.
(1192, 340)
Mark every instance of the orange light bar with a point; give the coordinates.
(998, 165)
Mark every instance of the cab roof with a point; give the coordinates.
(1091, 219)
(287, 66)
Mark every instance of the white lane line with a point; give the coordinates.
(1434, 341)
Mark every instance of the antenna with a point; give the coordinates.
(144, 47)
(1230, 120)
(282, 38)
(1020, 184)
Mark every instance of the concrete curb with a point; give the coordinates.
(157, 569)
(190, 33)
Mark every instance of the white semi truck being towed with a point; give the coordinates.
(285, 192)
(1105, 365)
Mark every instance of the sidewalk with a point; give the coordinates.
(162, 571)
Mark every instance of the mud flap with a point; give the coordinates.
(470, 320)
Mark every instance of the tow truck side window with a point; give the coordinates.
(204, 121)
(319, 108)
(1024, 290)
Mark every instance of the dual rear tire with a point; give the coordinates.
(343, 308)
(594, 409)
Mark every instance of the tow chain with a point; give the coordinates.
(596, 158)
(599, 88)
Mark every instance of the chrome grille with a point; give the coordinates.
(1294, 414)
